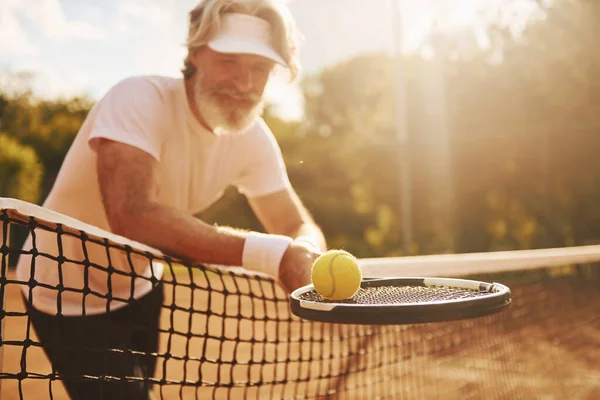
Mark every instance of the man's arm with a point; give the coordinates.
(283, 213)
(128, 179)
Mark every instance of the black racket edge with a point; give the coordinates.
(393, 317)
(499, 299)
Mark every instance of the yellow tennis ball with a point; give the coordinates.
(336, 275)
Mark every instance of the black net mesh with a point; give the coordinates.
(227, 334)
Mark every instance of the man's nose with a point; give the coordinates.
(243, 80)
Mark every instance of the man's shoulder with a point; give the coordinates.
(258, 135)
(146, 84)
(258, 127)
(141, 92)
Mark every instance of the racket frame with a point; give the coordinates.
(499, 298)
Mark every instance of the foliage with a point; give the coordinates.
(526, 133)
(47, 126)
(20, 170)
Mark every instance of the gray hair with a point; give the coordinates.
(205, 22)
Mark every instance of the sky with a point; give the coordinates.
(76, 47)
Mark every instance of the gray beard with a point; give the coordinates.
(223, 121)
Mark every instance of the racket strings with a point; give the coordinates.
(400, 295)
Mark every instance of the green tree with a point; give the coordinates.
(48, 126)
(526, 130)
(20, 170)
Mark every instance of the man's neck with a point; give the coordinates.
(191, 101)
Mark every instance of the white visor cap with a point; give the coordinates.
(245, 34)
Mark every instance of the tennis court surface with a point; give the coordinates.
(228, 333)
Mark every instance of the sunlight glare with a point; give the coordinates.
(449, 17)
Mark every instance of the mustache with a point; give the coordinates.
(237, 95)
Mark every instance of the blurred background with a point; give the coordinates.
(416, 127)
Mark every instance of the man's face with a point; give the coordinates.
(229, 87)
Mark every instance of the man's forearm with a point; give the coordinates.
(182, 235)
(312, 233)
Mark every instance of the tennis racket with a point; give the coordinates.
(384, 301)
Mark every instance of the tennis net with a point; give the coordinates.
(229, 333)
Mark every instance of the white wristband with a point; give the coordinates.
(263, 253)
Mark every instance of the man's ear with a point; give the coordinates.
(196, 55)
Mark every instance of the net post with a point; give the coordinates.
(5, 245)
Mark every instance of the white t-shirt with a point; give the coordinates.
(196, 166)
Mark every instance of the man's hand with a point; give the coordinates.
(296, 265)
